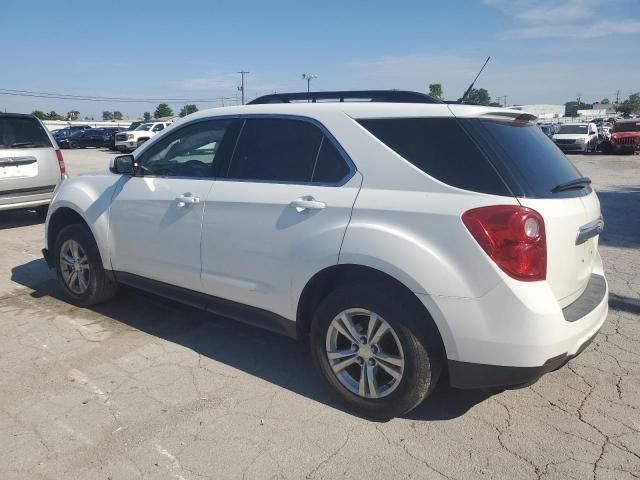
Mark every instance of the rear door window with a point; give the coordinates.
(22, 132)
(532, 164)
(441, 148)
(287, 151)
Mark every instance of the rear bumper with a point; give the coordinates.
(517, 332)
(26, 197)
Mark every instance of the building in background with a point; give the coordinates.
(542, 111)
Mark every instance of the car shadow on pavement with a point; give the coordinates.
(621, 212)
(19, 218)
(269, 356)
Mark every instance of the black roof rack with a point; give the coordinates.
(397, 96)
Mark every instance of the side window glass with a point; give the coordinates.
(187, 152)
(157, 128)
(277, 150)
(330, 166)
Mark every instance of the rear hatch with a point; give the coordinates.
(27, 157)
(542, 178)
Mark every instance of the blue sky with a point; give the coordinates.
(542, 51)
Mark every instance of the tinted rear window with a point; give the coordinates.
(529, 161)
(441, 148)
(22, 132)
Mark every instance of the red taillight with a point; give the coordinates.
(63, 169)
(513, 237)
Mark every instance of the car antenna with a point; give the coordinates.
(474, 81)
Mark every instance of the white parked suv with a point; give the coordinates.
(404, 236)
(131, 139)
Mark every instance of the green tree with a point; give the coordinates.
(631, 104)
(163, 110)
(146, 116)
(188, 109)
(605, 100)
(435, 90)
(73, 115)
(117, 115)
(107, 115)
(53, 115)
(39, 114)
(478, 96)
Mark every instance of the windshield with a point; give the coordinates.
(22, 132)
(627, 127)
(145, 126)
(573, 129)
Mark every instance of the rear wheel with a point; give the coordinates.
(79, 267)
(377, 351)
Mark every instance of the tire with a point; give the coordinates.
(73, 144)
(99, 287)
(414, 332)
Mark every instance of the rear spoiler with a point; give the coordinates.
(466, 111)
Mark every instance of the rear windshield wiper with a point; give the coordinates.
(581, 182)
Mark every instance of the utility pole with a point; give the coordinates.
(617, 99)
(241, 87)
(308, 77)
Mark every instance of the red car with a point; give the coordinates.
(625, 136)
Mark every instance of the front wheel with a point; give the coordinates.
(79, 267)
(376, 350)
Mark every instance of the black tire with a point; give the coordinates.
(73, 144)
(416, 332)
(42, 211)
(100, 287)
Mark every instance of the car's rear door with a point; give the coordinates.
(280, 214)
(542, 178)
(156, 215)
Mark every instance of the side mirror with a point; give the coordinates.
(123, 165)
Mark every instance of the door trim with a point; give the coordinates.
(253, 316)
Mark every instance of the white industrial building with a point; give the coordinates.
(542, 111)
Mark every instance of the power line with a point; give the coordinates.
(90, 98)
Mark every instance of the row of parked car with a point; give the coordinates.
(114, 138)
(620, 137)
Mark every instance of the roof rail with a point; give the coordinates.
(397, 96)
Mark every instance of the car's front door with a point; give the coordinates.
(156, 215)
(280, 214)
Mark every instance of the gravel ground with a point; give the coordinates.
(145, 388)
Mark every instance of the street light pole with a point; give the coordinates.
(308, 77)
(241, 87)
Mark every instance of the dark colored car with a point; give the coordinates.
(91, 137)
(109, 138)
(66, 132)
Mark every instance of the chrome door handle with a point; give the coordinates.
(307, 203)
(186, 199)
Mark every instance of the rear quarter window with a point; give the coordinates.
(22, 132)
(441, 148)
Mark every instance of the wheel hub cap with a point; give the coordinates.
(74, 267)
(364, 353)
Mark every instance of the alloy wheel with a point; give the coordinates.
(74, 266)
(365, 353)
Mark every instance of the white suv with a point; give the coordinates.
(132, 139)
(404, 236)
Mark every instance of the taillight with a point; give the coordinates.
(63, 169)
(513, 237)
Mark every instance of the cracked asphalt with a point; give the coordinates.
(146, 388)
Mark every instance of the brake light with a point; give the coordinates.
(63, 169)
(513, 237)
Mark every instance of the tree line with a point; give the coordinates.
(161, 111)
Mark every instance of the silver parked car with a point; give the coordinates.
(31, 165)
